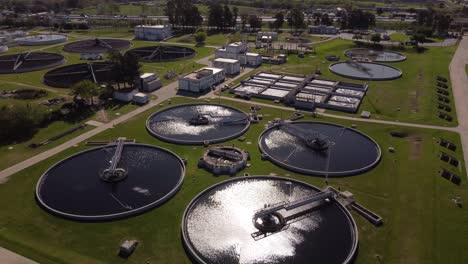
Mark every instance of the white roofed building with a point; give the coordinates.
(155, 33)
(239, 51)
(202, 80)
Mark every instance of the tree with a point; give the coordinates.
(279, 21)
(183, 12)
(376, 38)
(325, 20)
(87, 90)
(200, 37)
(255, 22)
(215, 15)
(227, 17)
(360, 20)
(295, 18)
(418, 38)
(244, 18)
(235, 14)
(20, 121)
(125, 69)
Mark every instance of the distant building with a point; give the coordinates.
(148, 82)
(230, 66)
(267, 37)
(323, 30)
(239, 51)
(202, 80)
(155, 33)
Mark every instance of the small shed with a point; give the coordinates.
(140, 98)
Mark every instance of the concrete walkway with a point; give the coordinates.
(460, 92)
(8, 257)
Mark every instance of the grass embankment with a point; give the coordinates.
(412, 98)
(422, 225)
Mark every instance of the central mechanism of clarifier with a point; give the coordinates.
(313, 139)
(276, 217)
(114, 173)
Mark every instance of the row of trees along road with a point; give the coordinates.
(183, 13)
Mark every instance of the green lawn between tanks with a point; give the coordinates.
(401, 37)
(415, 96)
(421, 225)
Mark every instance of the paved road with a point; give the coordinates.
(8, 257)
(384, 122)
(459, 82)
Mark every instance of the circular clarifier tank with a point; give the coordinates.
(375, 55)
(365, 71)
(317, 148)
(98, 45)
(83, 187)
(42, 39)
(162, 53)
(198, 123)
(220, 224)
(29, 61)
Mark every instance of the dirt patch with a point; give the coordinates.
(414, 96)
(415, 144)
(101, 116)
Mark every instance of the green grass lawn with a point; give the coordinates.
(421, 224)
(399, 37)
(414, 94)
(211, 40)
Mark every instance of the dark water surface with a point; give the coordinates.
(353, 152)
(73, 186)
(173, 124)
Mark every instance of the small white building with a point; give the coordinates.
(202, 80)
(124, 95)
(323, 30)
(148, 82)
(239, 51)
(140, 98)
(155, 33)
(267, 37)
(230, 66)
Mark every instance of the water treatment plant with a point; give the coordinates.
(130, 135)
(319, 148)
(96, 45)
(162, 53)
(198, 124)
(67, 76)
(270, 220)
(29, 61)
(119, 180)
(365, 70)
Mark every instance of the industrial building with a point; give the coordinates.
(304, 92)
(239, 51)
(230, 66)
(148, 82)
(202, 80)
(323, 30)
(154, 33)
